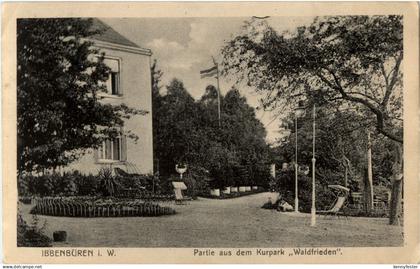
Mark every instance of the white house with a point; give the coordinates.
(129, 83)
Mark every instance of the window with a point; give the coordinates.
(113, 150)
(110, 150)
(113, 82)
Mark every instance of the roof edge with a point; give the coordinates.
(115, 46)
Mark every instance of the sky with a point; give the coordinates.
(184, 46)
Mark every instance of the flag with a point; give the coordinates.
(211, 72)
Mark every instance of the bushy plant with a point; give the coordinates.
(68, 184)
(147, 182)
(41, 185)
(284, 183)
(129, 182)
(23, 186)
(76, 184)
(87, 185)
(108, 183)
(197, 180)
(162, 185)
(31, 235)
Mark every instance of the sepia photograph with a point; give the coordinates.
(255, 132)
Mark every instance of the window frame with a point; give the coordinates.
(101, 151)
(109, 93)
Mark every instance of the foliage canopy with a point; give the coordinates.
(59, 112)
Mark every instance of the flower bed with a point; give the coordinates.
(91, 207)
(232, 194)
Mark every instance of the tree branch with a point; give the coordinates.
(365, 95)
(380, 125)
(390, 86)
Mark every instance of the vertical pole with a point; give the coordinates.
(296, 168)
(313, 209)
(218, 91)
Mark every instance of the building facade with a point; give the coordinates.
(129, 82)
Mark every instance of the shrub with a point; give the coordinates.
(148, 180)
(31, 235)
(144, 182)
(129, 182)
(285, 185)
(41, 185)
(23, 186)
(197, 180)
(87, 185)
(108, 183)
(25, 200)
(76, 184)
(68, 184)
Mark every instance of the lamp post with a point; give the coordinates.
(298, 112)
(313, 208)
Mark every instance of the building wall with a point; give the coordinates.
(135, 83)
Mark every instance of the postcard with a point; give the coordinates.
(211, 132)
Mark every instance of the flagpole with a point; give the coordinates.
(218, 90)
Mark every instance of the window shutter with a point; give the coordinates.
(123, 148)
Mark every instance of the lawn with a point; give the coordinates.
(236, 222)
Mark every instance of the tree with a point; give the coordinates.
(353, 61)
(59, 114)
(243, 133)
(341, 145)
(239, 152)
(188, 131)
(174, 125)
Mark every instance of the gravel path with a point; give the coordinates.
(238, 222)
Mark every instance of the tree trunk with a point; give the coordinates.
(368, 190)
(367, 197)
(397, 178)
(395, 202)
